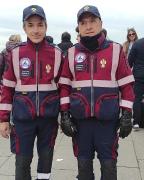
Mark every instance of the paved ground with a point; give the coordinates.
(130, 162)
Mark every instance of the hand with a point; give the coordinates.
(125, 124)
(5, 129)
(67, 125)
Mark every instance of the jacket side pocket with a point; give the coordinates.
(107, 107)
(23, 108)
(50, 106)
(79, 106)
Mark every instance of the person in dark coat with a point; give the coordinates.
(136, 61)
(65, 42)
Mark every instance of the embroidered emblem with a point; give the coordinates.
(103, 63)
(25, 63)
(86, 8)
(81, 57)
(48, 68)
(33, 10)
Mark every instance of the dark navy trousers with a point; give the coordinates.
(24, 134)
(96, 136)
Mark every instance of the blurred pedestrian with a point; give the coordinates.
(65, 42)
(136, 61)
(131, 38)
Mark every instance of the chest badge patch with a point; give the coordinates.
(81, 57)
(25, 63)
(103, 63)
(48, 68)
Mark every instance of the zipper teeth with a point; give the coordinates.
(92, 103)
(37, 92)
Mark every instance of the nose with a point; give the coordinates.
(35, 29)
(88, 25)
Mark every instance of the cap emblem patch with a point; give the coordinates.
(33, 10)
(86, 8)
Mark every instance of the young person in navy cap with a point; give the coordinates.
(94, 74)
(30, 92)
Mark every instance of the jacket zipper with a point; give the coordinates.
(37, 80)
(92, 87)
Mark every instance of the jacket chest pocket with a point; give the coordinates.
(23, 108)
(107, 107)
(80, 108)
(50, 106)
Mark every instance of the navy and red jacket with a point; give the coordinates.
(30, 82)
(96, 84)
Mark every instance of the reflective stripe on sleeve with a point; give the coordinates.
(6, 107)
(125, 103)
(64, 100)
(65, 81)
(9, 83)
(126, 80)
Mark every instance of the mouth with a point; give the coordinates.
(89, 33)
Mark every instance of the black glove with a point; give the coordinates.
(125, 124)
(67, 125)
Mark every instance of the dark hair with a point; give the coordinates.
(49, 39)
(66, 36)
(104, 31)
(77, 29)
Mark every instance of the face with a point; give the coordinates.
(131, 35)
(89, 25)
(35, 28)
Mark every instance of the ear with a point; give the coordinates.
(101, 23)
(46, 26)
(24, 28)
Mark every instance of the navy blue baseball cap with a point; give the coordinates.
(33, 10)
(88, 9)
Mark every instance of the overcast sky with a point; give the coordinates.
(117, 16)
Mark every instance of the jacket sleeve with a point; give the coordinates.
(65, 85)
(9, 82)
(125, 81)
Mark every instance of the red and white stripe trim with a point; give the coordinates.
(96, 83)
(115, 60)
(15, 59)
(65, 81)
(6, 107)
(41, 87)
(125, 103)
(64, 100)
(126, 80)
(57, 61)
(9, 83)
(71, 53)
